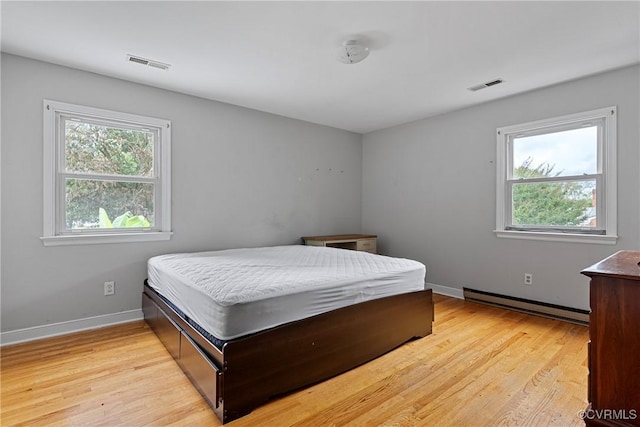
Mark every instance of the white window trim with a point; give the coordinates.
(609, 189)
(50, 237)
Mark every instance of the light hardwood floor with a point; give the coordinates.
(482, 366)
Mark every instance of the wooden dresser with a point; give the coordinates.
(614, 347)
(356, 242)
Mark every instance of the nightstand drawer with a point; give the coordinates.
(358, 242)
(367, 245)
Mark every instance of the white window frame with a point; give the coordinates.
(54, 233)
(606, 176)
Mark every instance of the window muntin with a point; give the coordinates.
(106, 173)
(558, 176)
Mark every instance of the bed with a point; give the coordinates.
(247, 325)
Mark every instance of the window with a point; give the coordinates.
(106, 176)
(556, 178)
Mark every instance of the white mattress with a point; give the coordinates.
(235, 292)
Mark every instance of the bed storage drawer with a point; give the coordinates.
(204, 374)
(165, 329)
(149, 310)
(168, 333)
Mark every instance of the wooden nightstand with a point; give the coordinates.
(356, 242)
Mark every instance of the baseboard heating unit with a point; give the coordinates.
(568, 314)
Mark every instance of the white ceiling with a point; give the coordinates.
(279, 57)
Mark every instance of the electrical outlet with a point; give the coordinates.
(528, 279)
(109, 288)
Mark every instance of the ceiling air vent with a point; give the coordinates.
(148, 62)
(485, 85)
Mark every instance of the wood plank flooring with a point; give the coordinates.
(482, 366)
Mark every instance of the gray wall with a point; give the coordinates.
(245, 178)
(429, 192)
(240, 178)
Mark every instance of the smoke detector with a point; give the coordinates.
(352, 52)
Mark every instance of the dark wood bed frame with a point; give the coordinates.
(248, 371)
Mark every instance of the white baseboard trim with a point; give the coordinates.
(71, 326)
(446, 290)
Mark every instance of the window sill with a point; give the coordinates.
(94, 239)
(558, 237)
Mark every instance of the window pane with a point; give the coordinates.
(92, 148)
(560, 203)
(123, 204)
(567, 153)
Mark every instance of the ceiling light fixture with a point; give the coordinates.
(352, 52)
